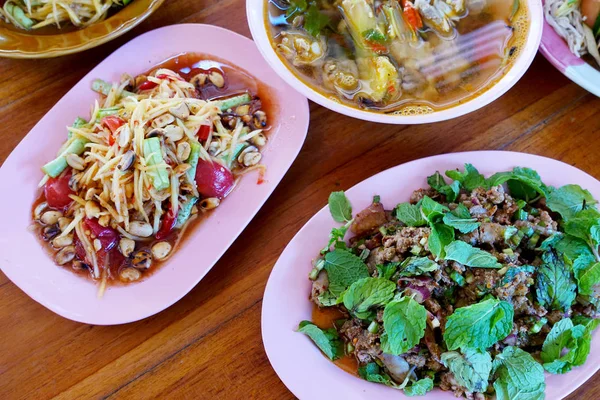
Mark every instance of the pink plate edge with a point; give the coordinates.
(60, 290)
(298, 362)
(556, 50)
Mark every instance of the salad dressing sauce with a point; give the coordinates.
(325, 318)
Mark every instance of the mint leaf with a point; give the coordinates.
(580, 225)
(327, 340)
(464, 225)
(572, 247)
(419, 388)
(404, 323)
(518, 375)
(340, 207)
(587, 273)
(327, 299)
(568, 200)
(417, 266)
(373, 373)
(471, 370)
(336, 237)
(576, 339)
(386, 271)
(555, 288)
(343, 269)
(479, 325)
(441, 235)
(466, 254)
(469, 179)
(367, 293)
(523, 183)
(437, 182)
(432, 210)
(410, 214)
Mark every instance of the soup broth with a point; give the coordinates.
(398, 56)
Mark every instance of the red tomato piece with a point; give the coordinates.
(168, 223)
(204, 132)
(109, 238)
(57, 191)
(112, 122)
(147, 85)
(213, 179)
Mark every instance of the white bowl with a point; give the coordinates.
(256, 19)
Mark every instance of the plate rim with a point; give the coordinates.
(266, 324)
(301, 118)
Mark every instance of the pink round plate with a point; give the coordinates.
(24, 261)
(556, 50)
(298, 362)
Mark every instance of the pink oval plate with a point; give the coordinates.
(24, 261)
(298, 362)
(556, 50)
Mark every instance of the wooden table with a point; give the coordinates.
(208, 345)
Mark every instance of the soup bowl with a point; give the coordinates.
(258, 22)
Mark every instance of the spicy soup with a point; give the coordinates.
(398, 57)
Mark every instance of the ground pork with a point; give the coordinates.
(369, 219)
(406, 238)
(366, 344)
(418, 195)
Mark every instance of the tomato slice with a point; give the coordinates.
(168, 223)
(108, 237)
(57, 191)
(204, 132)
(112, 122)
(147, 85)
(213, 179)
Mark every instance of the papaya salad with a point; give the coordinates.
(155, 154)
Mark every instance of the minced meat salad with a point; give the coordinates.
(475, 286)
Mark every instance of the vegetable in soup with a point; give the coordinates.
(398, 56)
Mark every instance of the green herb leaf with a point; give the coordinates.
(315, 21)
(479, 325)
(565, 335)
(410, 214)
(555, 288)
(568, 200)
(437, 182)
(386, 271)
(461, 221)
(417, 266)
(472, 371)
(419, 388)
(572, 247)
(404, 323)
(441, 235)
(523, 183)
(580, 225)
(327, 340)
(343, 269)
(373, 373)
(340, 207)
(296, 7)
(336, 237)
(469, 179)
(432, 210)
(518, 375)
(587, 273)
(466, 254)
(367, 293)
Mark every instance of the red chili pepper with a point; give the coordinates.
(204, 132)
(147, 85)
(168, 224)
(412, 15)
(376, 47)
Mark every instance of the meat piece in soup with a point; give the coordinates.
(390, 55)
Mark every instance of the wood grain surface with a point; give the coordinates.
(208, 345)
